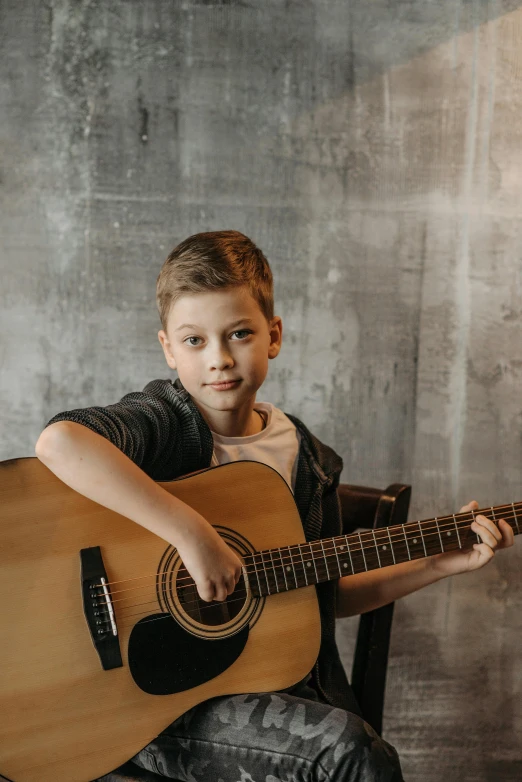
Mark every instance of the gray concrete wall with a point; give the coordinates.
(373, 151)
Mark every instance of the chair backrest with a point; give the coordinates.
(370, 508)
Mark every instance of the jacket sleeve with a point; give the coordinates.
(142, 424)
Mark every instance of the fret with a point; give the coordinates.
(376, 547)
(268, 564)
(313, 562)
(457, 529)
(265, 571)
(319, 576)
(449, 534)
(257, 574)
(294, 571)
(325, 560)
(246, 579)
(474, 519)
(391, 545)
(428, 534)
(406, 539)
(369, 547)
(384, 552)
(304, 566)
(362, 549)
(422, 538)
(416, 549)
(289, 567)
(349, 553)
(274, 571)
(270, 575)
(336, 556)
(341, 549)
(515, 515)
(425, 536)
(354, 553)
(440, 536)
(283, 567)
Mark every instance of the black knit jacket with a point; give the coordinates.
(163, 432)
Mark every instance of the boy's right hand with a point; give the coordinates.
(213, 565)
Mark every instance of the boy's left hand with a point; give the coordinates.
(493, 537)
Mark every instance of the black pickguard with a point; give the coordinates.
(164, 658)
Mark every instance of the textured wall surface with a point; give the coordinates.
(373, 151)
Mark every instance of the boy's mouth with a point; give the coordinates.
(224, 386)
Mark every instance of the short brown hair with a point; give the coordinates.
(213, 260)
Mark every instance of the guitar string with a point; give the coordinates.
(209, 606)
(359, 567)
(228, 601)
(299, 560)
(352, 548)
(401, 537)
(263, 571)
(202, 609)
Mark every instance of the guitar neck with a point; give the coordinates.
(291, 567)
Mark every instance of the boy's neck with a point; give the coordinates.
(232, 423)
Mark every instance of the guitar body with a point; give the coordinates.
(66, 718)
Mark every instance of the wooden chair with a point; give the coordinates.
(362, 507)
(373, 508)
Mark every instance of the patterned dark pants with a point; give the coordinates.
(288, 736)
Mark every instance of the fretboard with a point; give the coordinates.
(281, 569)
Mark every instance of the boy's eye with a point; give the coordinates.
(241, 331)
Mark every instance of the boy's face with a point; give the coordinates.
(206, 343)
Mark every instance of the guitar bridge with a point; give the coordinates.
(98, 608)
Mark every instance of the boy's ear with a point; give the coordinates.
(276, 336)
(165, 344)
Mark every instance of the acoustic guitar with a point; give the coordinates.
(104, 639)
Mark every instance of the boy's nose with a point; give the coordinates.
(221, 360)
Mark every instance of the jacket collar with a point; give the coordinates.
(325, 462)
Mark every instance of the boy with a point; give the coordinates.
(212, 287)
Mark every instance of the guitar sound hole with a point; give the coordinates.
(214, 613)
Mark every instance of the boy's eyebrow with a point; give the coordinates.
(231, 326)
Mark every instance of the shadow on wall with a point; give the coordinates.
(362, 40)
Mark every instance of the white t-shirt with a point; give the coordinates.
(276, 445)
